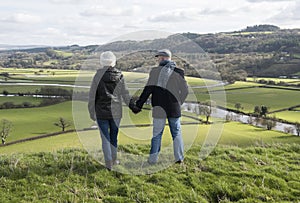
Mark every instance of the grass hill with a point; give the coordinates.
(267, 173)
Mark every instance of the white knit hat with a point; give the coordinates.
(108, 59)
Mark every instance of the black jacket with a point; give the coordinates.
(107, 90)
(166, 101)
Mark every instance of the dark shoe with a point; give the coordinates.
(151, 163)
(179, 162)
(108, 165)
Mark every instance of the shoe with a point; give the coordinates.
(116, 162)
(151, 163)
(108, 165)
(179, 162)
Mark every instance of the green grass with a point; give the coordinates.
(35, 121)
(20, 100)
(293, 116)
(249, 98)
(277, 80)
(233, 134)
(229, 174)
(15, 89)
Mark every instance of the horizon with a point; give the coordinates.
(109, 41)
(67, 22)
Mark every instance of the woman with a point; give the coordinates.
(105, 105)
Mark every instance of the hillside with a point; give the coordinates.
(229, 174)
(265, 51)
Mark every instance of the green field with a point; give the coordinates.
(20, 100)
(251, 174)
(35, 121)
(293, 116)
(277, 80)
(233, 134)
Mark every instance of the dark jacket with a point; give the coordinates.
(107, 90)
(166, 100)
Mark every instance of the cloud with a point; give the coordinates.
(271, 1)
(66, 1)
(172, 16)
(181, 15)
(103, 11)
(22, 18)
(288, 15)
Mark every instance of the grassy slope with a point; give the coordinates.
(233, 134)
(253, 174)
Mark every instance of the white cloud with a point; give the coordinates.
(271, 1)
(22, 18)
(289, 15)
(66, 1)
(61, 22)
(106, 11)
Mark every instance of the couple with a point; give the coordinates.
(168, 88)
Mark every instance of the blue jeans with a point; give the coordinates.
(109, 130)
(158, 129)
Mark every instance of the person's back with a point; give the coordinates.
(105, 105)
(111, 87)
(169, 90)
(167, 99)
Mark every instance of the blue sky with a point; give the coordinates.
(83, 22)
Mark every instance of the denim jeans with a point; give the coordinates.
(158, 129)
(109, 130)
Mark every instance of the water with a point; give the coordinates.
(221, 113)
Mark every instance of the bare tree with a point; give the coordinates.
(206, 110)
(63, 124)
(269, 123)
(5, 129)
(288, 130)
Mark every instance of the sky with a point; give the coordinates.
(86, 22)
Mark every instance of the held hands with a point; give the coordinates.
(134, 108)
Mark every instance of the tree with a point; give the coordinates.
(62, 123)
(257, 110)
(264, 110)
(5, 129)
(206, 110)
(238, 106)
(297, 126)
(5, 92)
(269, 123)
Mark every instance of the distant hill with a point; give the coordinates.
(260, 50)
(6, 47)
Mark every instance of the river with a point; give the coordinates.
(221, 113)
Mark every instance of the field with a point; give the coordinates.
(36, 121)
(249, 164)
(20, 100)
(251, 174)
(233, 134)
(293, 116)
(277, 80)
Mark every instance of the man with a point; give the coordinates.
(169, 90)
(105, 105)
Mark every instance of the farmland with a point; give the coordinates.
(242, 150)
